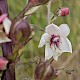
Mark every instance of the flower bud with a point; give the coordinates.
(39, 71)
(49, 73)
(3, 63)
(20, 31)
(64, 11)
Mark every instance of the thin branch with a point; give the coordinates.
(21, 14)
(21, 45)
(49, 7)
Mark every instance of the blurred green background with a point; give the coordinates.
(25, 71)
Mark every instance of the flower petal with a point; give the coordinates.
(48, 52)
(55, 57)
(44, 39)
(2, 17)
(65, 45)
(64, 30)
(7, 25)
(52, 29)
(57, 52)
(4, 38)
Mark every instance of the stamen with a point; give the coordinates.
(55, 40)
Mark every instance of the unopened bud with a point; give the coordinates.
(20, 31)
(49, 73)
(64, 11)
(40, 69)
(61, 12)
(3, 63)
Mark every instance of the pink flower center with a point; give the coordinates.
(55, 40)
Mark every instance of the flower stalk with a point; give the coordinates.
(8, 74)
(49, 7)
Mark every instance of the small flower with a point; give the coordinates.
(3, 63)
(64, 11)
(6, 23)
(55, 41)
(61, 12)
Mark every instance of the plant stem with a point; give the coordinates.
(21, 14)
(48, 7)
(8, 74)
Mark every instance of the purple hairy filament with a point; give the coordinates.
(55, 40)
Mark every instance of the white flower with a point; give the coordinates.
(55, 41)
(6, 23)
